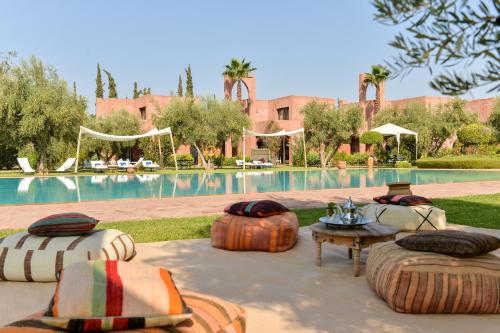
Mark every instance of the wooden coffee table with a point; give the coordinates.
(354, 238)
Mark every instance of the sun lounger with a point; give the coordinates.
(25, 165)
(66, 165)
(150, 164)
(98, 165)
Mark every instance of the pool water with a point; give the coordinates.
(31, 190)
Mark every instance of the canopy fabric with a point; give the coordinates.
(110, 137)
(391, 129)
(280, 133)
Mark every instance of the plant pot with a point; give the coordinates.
(370, 162)
(342, 165)
(130, 170)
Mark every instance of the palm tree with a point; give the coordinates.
(378, 75)
(237, 70)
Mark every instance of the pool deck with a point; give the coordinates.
(21, 216)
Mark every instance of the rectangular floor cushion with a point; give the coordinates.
(426, 282)
(25, 257)
(275, 233)
(210, 315)
(407, 218)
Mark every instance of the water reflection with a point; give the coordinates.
(106, 187)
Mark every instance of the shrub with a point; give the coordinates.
(186, 159)
(29, 152)
(312, 158)
(474, 134)
(219, 160)
(460, 162)
(357, 159)
(340, 156)
(371, 138)
(403, 164)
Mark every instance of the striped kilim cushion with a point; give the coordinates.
(115, 295)
(425, 282)
(25, 257)
(210, 315)
(241, 233)
(66, 224)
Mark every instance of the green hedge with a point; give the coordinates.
(460, 162)
(403, 164)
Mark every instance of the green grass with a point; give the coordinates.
(482, 211)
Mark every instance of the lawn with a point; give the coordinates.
(482, 211)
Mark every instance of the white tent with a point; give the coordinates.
(109, 137)
(280, 133)
(393, 130)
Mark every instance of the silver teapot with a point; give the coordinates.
(349, 212)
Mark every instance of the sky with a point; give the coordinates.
(312, 48)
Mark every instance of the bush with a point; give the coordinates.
(460, 162)
(357, 159)
(340, 156)
(403, 164)
(474, 134)
(29, 152)
(312, 159)
(219, 160)
(186, 159)
(371, 138)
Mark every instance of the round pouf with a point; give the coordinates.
(275, 233)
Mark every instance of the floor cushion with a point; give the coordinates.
(210, 315)
(407, 218)
(426, 282)
(242, 233)
(25, 257)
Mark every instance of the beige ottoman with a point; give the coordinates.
(407, 218)
(425, 282)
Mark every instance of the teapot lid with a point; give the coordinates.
(349, 204)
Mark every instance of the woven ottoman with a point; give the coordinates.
(275, 233)
(210, 315)
(25, 257)
(425, 282)
(407, 218)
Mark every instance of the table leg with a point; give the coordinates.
(350, 253)
(357, 256)
(318, 253)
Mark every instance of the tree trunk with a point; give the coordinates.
(238, 90)
(206, 166)
(322, 156)
(378, 98)
(42, 161)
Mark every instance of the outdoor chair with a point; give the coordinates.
(148, 164)
(98, 165)
(66, 165)
(25, 165)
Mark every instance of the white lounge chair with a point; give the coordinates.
(24, 184)
(25, 165)
(66, 165)
(68, 183)
(124, 164)
(98, 165)
(242, 162)
(138, 163)
(148, 164)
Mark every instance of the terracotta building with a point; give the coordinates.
(284, 111)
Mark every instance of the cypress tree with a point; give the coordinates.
(136, 91)
(189, 82)
(179, 87)
(111, 85)
(99, 89)
(74, 88)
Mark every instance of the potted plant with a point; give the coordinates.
(330, 209)
(371, 139)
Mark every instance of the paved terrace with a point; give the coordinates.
(21, 216)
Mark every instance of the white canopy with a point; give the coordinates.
(280, 133)
(394, 130)
(110, 137)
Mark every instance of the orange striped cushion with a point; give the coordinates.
(115, 295)
(210, 315)
(425, 282)
(241, 233)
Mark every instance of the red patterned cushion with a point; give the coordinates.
(402, 200)
(66, 224)
(259, 208)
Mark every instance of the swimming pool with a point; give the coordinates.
(31, 190)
